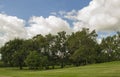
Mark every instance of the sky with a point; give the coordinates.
(27, 18)
(26, 8)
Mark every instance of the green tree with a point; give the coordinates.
(53, 53)
(39, 43)
(61, 45)
(49, 50)
(81, 47)
(12, 53)
(33, 60)
(109, 47)
(18, 58)
(117, 42)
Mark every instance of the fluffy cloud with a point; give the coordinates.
(52, 24)
(11, 27)
(102, 15)
(71, 15)
(68, 15)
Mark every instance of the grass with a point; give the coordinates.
(110, 69)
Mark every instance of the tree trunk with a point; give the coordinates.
(21, 68)
(20, 65)
(62, 64)
(46, 67)
(53, 67)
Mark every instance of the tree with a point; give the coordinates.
(39, 43)
(12, 53)
(117, 42)
(109, 47)
(61, 45)
(53, 53)
(44, 62)
(18, 58)
(33, 60)
(81, 47)
(49, 50)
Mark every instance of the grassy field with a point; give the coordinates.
(111, 69)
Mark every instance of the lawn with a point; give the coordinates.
(110, 69)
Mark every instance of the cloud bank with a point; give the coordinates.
(101, 15)
(52, 24)
(13, 27)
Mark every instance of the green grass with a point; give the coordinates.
(111, 69)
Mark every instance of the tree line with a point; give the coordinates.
(78, 48)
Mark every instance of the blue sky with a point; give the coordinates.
(26, 8)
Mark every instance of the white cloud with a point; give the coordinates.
(11, 27)
(102, 15)
(53, 13)
(62, 12)
(52, 24)
(71, 15)
(68, 15)
(79, 25)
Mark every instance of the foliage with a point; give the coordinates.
(82, 46)
(33, 60)
(13, 53)
(78, 48)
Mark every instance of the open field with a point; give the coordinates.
(111, 69)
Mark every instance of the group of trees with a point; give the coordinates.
(43, 52)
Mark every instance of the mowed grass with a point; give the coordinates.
(110, 69)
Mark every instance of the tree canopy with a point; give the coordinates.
(46, 52)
